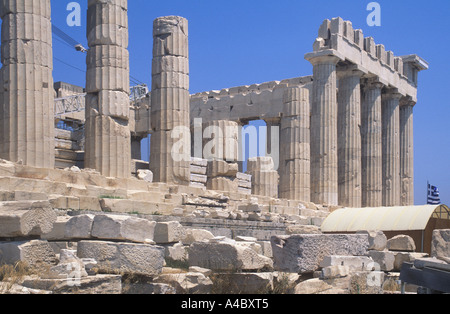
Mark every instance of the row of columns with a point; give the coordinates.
(361, 139)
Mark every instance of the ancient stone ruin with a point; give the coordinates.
(78, 204)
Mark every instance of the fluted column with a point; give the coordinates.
(407, 152)
(27, 94)
(391, 147)
(324, 156)
(107, 132)
(295, 164)
(170, 110)
(349, 137)
(371, 144)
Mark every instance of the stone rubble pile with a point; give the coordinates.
(118, 253)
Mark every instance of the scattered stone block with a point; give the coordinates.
(304, 253)
(169, 232)
(187, 283)
(377, 240)
(35, 253)
(440, 245)
(335, 271)
(26, 218)
(384, 259)
(145, 175)
(244, 283)
(226, 256)
(405, 257)
(402, 243)
(195, 235)
(79, 227)
(123, 228)
(129, 258)
(354, 263)
(302, 229)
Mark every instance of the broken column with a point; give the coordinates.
(391, 147)
(371, 148)
(407, 152)
(27, 94)
(324, 155)
(108, 137)
(170, 111)
(349, 137)
(295, 146)
(264, 177)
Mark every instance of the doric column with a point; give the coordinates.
(349, 137)
(27, 94)
(407, 152)
(324, 156)
(391, 147)
(108, 137)
(295, 165)
(170, 114)
(371, 144)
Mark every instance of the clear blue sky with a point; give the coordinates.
(235, 43)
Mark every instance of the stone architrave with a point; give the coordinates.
(107, 130)
(27, 94)
(170, 111)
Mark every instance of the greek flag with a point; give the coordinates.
(433, 195)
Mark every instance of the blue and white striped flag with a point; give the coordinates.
(433, 195)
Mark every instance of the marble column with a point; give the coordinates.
(391, 147)
(349, 137)
(27, 94)
(371, 144)
(108, 136)
(295, 163)
(170, 110)
(324, 155)
(407, 152)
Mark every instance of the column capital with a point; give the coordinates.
(350, 70)
(373, 83)
(328, 56)
(407, 102)
(391, 93)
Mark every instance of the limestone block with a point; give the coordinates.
(226, 256)
(312, 286)
(35, 253)
(100, 12)
(32, 52)
(440, 245)
(401, 243)
(107, 78)
(384, 259)
(145, 175)
(119, 257)
(265, 183)
(108, 147)
(220, 168)
(108, 34)
(79, 227)
(170, 35)
(196, 235)
(109, 103)
(108, 56)
(187, 283)
(26, 218)
(123, 228)
(256, 164)
(377, 240)
(302, 229)
(336, 271)
(69, 266)
(40, 7)
(169, 80)
(222, 184)
(169, 232)
(58, 231)
(173, 98)
(174, 64)
(353, 263)
(406, 257)
(304, 253)
(246, 283)
(25, 26)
